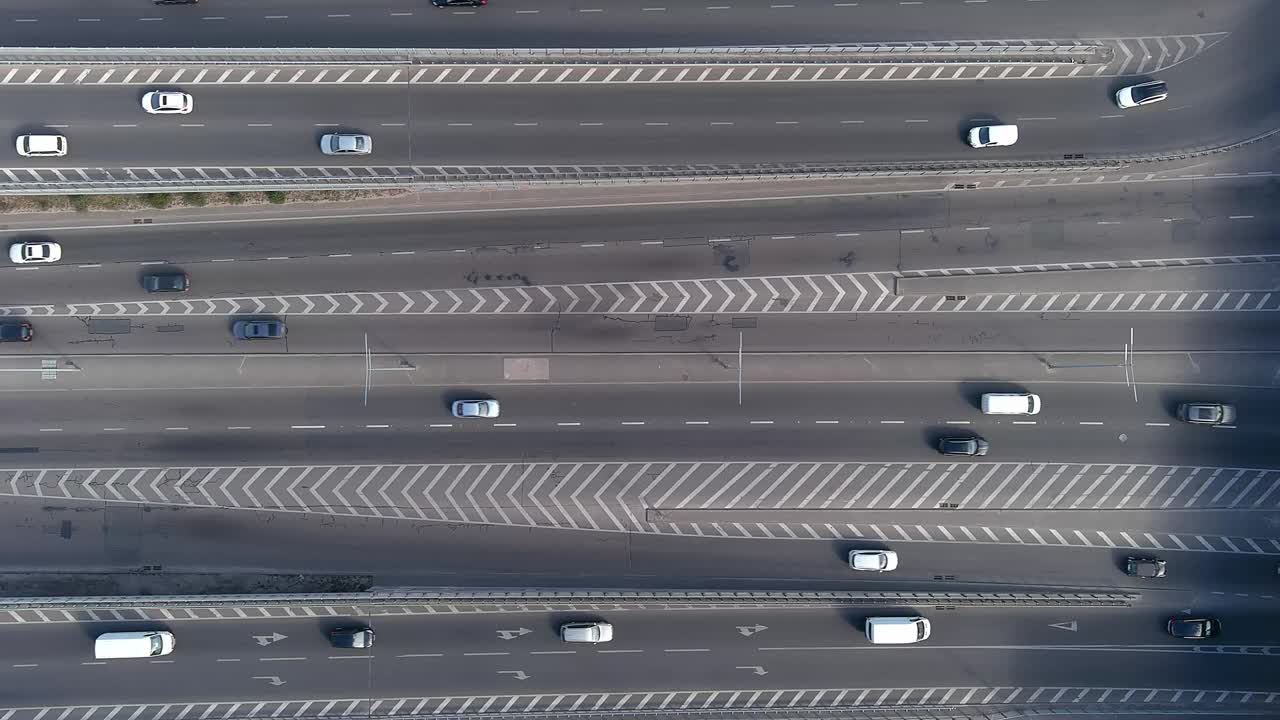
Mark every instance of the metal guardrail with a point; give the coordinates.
(521, 596)
(1053, 51)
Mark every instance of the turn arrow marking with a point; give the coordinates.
(749, 630)
(265, 640)
(1064, 625)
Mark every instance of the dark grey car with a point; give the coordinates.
(266, 329)
(16, 332)
(1144, 567)
(165, 282)
(1193, 628)
(1207, 413)
(970, 446)
(353, 637)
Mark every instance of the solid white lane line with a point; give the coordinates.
(892, 422)
(633, 422)
(568, 424)
(1090, 422)
(1157, 424)
(761, 422)
(697, 422)
(306, 427)
(440, 425)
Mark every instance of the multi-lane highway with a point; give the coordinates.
(568, 23)
(652, 652)
(702, 387)
(496, 124)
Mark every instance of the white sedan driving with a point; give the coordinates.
(164, 102)
(873, 560)
(993, 136)
(35, 252)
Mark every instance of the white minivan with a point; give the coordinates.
(897, 630)
(1010, 403)
(117, 645)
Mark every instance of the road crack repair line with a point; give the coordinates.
(784, 500)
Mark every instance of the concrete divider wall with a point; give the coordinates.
(1003, 51)
(532, 595)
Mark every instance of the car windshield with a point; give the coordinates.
(984, 135)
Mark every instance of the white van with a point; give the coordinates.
(113, 646)
(897, 630)
(1010, 403)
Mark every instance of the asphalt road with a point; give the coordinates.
(652, 650)
(562, 23)
(805, 421)
(51, 545)
(642, 125)
(343, 250)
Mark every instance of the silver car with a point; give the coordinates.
(346, 144)
(873, 560)
(475, 408)
(1207, 413)
(586, 632)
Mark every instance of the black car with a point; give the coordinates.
(354, 637)
(457, 3)
(1144, 567)
(970, 446)
(165, 282)
(1193, 628)
(16, 332)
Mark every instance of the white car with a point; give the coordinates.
(1142, 94)
(346, 144)
(35, 252)
(586, 632)
(160, 102)
(41, 145)
(993, 136)
(475, 408)
(873, 560)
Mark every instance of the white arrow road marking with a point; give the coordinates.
(1064, 625)
(755, 669)
(265, 640)
(513, 634)
(749, 630)
(271, 679)
(517, 674)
